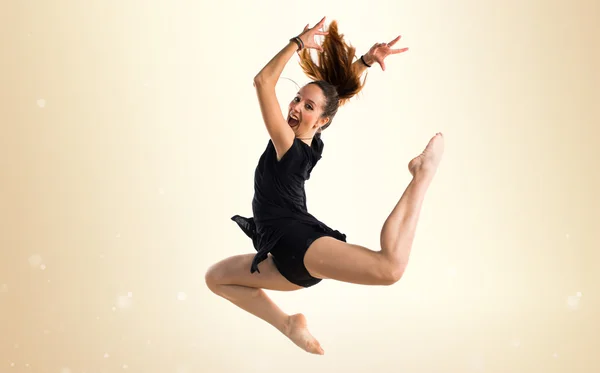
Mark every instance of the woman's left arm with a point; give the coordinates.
(360, 67)
(377, 53)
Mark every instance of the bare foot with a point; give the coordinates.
(426, 163)
(297, 331)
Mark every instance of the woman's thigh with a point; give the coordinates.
(329, 258)
(235, 270)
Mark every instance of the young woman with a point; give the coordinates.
(294, 249)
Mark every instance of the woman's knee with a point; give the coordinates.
(223, 271)
(392, 271)
(214, 277)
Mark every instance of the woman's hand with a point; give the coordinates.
(308, 35)
(380, 51)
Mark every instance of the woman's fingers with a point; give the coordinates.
(391, 43)
(310, 33)
(396, 51)
(319, 25)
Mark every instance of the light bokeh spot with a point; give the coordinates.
(35, 260)
(124, 301)
(573, 302)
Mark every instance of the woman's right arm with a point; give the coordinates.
(269, 75)
(280, 132)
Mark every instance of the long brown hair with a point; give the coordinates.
(334, 73)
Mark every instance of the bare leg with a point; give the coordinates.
(330, 258)
(232, 280)
(398, 232)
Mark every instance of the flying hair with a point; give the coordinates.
(334, 65)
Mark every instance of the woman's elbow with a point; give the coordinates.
(260, 81)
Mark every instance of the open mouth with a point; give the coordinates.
(293, 122)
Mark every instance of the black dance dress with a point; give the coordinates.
(281, 224)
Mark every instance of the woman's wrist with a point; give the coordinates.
(298, 42)
(367, 60)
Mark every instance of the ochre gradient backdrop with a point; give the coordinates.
(129, 135)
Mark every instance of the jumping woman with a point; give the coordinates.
(294, 249)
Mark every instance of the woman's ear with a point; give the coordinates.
(323, 121)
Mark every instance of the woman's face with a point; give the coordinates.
(305, 110)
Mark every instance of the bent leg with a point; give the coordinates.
(235, 270)
(232, 280)
(334, 259)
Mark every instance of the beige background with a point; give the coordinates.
(130, 133)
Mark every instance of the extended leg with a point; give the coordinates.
(330, 258)
(398, 231)
(232, 280)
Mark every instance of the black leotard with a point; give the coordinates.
(281, 224)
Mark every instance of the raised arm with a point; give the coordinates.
(280, 132)
(360, 67)
(377, 53)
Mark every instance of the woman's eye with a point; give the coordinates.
(309, 107)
